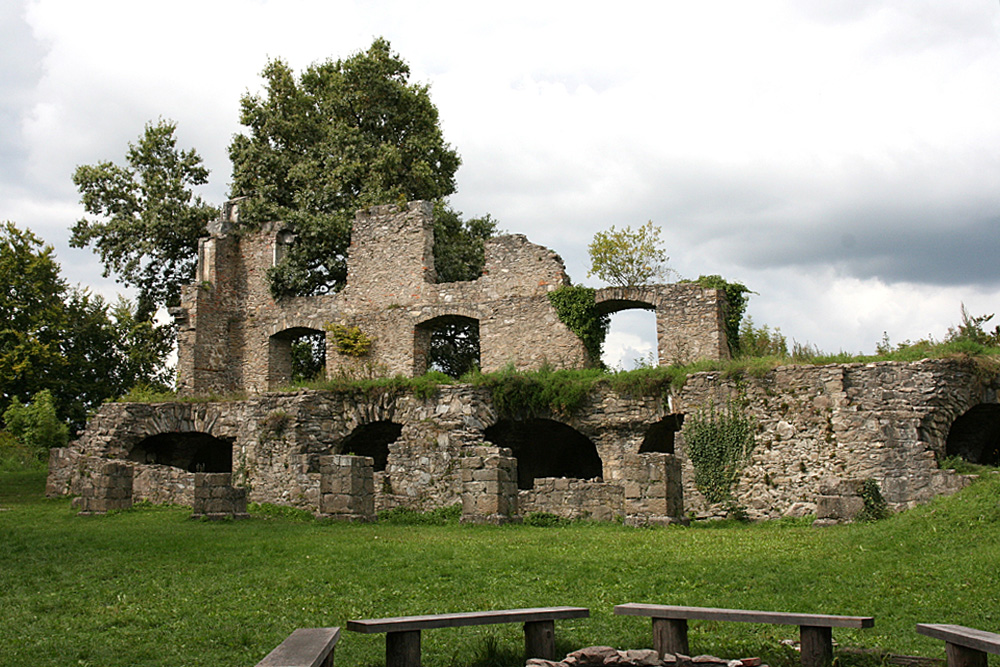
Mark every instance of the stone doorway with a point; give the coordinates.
(975, 436)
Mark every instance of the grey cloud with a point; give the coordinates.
(22, 56)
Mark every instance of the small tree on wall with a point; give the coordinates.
(627, 257)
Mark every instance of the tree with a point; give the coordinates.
(149, 219)
(345, 135)
(31, 315)
(65, 341)
(626, 258)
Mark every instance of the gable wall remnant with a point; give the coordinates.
(235, 336)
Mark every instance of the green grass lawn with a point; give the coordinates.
(151, 587)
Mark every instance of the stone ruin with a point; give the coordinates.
(350, 453)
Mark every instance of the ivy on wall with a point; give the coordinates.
(718, 441)
(577, 309)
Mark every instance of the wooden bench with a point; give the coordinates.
(306, 647)
(815, 636)
(965, 647)
(402, 639)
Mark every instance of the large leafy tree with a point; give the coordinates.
(345, 135)
(148, 218)
(63, 340)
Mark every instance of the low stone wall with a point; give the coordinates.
(573, 499)
(887, 421)
(216, 498)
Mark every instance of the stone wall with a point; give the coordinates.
(573, 499)
(234, 336)
(885, 421)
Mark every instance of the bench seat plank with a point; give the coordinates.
(980, 640)
(305, 647)
(743, 616)
(460, 619)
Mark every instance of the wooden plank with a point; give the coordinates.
(979, 640)
(743, 616)
(455, 620)
(306, 647)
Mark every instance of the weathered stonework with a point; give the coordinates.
(885, 421)
(216, 498)
(615, 456)
(107, 489)
(234, 336)
(347, 488)
(489, 485)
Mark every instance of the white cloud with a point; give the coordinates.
(840, 159)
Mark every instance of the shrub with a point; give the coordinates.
(36, 424)
(875, 507)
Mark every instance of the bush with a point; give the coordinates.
(402, 516)
(875, 507)
(36, 424)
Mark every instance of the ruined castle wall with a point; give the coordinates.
(887, 421)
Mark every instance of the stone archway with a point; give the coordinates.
(546, 448)
(281, 364)
(975, 435)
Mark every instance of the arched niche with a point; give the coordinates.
(546, 448)
(975, 436)
(372, 440)
(191, 451)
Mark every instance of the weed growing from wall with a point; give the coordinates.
(718, 443)
(577, 309)
(350, 341)
(875, 507)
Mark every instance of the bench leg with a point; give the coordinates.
(402, 649)
(328, 661)
(540, 639)
(670, 635)
(963, 656)
(816, 645)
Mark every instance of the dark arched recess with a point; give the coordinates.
(191, 451)
(975, 436)
(546, 448)
(372, 440)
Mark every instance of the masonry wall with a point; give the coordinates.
(885, 421)
(234, 336)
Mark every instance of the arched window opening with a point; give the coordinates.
(193, 452)
(546, 448)
(372, 440)
(632, 340)
(660, 435)
(448, 344)
(975, 436)
(296, 355)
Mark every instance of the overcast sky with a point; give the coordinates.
(839, 157)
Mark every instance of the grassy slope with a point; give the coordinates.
(151, 587)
